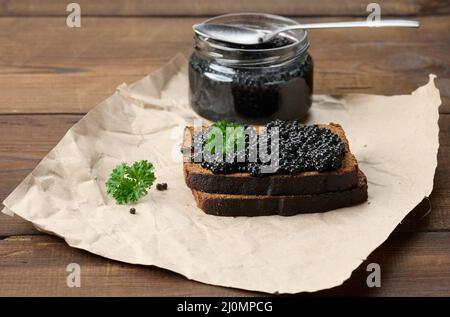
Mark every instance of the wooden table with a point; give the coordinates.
(51, 75)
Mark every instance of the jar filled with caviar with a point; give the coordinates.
(252, 83)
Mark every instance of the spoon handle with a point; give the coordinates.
(350, 24)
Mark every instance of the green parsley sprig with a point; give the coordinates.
(127, 184)
(231, 139)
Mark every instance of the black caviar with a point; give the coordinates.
(254, 93)
(301, 148)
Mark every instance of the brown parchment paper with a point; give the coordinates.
(395, 140)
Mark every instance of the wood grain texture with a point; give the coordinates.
(412, 264)
(12, 226)
(216, 7)
(46, 67)
(26, 139)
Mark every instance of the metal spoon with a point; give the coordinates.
(249, 36)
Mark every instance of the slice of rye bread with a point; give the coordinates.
(202, 179)
(254, 205)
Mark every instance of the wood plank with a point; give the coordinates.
(25, 139)
(12, 226)
(46, 67)
(216, 7)
(412, 264)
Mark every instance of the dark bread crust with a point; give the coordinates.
(202, 179)
(254, 205)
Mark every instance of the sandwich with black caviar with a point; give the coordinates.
(313, 171)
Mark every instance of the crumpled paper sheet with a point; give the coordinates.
(395, 140)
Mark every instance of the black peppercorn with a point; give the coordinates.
(132, 211)
(161, 186)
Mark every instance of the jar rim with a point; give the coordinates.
(215, 49)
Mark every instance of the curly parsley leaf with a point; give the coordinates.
(128, 184)
(232, 137)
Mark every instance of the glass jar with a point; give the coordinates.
(252, 84)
